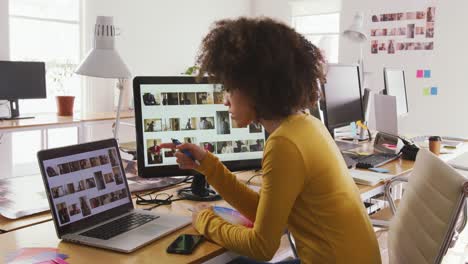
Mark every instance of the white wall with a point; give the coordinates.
(277, 9)
(442, 114)
(4, 31)
(283, 10)
(157, 37)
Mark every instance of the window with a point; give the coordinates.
(323, 30)
(46, 31)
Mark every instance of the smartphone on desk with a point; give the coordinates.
(184, 244)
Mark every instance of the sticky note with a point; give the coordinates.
(426, 91)
(353, 129)
(433, 90)
(427, 73)
(419, 73)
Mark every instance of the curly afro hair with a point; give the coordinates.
(268, 61)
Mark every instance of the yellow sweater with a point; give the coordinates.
(306, 188)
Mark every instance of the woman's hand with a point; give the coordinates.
(196, 211)
(184, 161)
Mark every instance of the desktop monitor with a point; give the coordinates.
(21, 80)
(342, 103)
(394, 80)
(193, 112)
(366, 103)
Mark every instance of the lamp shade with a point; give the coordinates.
(103, 60)
(355, 32)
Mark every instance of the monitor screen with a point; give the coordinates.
(342, 96)
(22, 80)
(82, 185)
(181, 108)
(366, 103)
(395, 85)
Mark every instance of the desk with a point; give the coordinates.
(47, 121)
(395, 167)
(43, 122)
(43, 235)
(8, 225)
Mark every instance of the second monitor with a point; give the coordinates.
(342, 102)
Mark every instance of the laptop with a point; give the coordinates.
(90, 199)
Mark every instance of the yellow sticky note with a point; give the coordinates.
(363, 153)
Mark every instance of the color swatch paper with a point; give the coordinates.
(419, 74)
(433, 90)
(35, 255)
(232, 216)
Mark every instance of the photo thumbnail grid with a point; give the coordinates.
(156, 154)
(78, 187)
(182, 98)
(199, 118)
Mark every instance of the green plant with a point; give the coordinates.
(192, 70)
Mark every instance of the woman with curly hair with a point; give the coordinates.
(270, 74)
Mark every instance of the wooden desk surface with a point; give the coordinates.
(396, 167)
(8, 225)
(51, 119)
(43, 235)
(38, 120)
(105, 116)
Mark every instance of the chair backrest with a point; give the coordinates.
(422, 228)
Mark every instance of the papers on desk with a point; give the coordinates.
(22, 196)
(460, 162)
(368, 177)
(36, 255)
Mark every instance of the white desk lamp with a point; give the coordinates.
(103, 60)
(356, 34)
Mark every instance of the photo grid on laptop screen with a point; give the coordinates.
(194, 113)
(85, 184)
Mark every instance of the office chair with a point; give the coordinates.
(431, 213)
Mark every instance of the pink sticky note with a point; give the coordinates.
(419, 73)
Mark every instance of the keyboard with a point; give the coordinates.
(119, 226)
(376, 160)
(350, 162)
(343, 145)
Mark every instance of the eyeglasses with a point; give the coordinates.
(153, 199)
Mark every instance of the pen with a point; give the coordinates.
(186, 152)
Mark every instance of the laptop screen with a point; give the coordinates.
(84, 184)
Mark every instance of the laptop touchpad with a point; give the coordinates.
(152, 229)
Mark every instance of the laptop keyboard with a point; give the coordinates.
(375, 160)
(119, 226)
(350, 162)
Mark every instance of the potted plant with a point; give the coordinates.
(59, 73)
(192, 70)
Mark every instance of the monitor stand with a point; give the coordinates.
(14, 110)
(199, 190)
